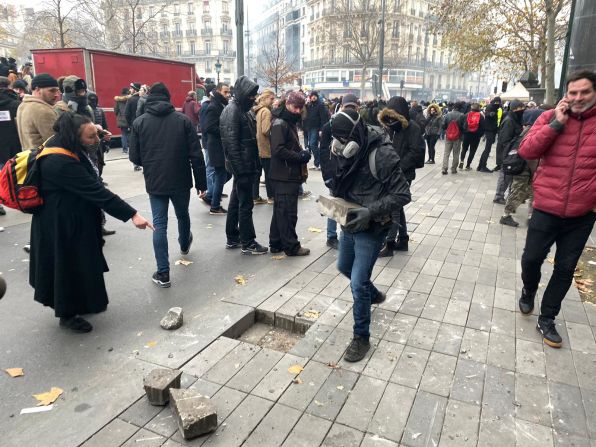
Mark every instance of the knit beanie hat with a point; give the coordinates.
(43, 80)
(296, 99)
(159, 88)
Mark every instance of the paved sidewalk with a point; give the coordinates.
(453, 361)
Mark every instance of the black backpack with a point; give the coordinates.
(513, 164)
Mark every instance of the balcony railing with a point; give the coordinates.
(227, 53)
(164, 34)
(226, 32)
(191, 32)
(207, 32)
(177, 33)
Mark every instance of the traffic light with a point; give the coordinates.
(402, 84)
(504, 87)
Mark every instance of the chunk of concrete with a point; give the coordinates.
(158, 383)
(194, 413)
(173, 319)
(335, 208)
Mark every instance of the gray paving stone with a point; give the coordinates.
(415, 264)
(497, 432)
(336, 286)
(560, 366)
(299, 395)
(457, 312)
(501, 351)
(410, 367)
(309, 431)
(341, 436)
(312, 340)
(468, 273)
(463, 291)
(384, 359)
(574, 312)
(564, 439)
(279, 378)
(362, 403)
(115, 433)
(400, 328)
(231, 363)
(581, 337)
(499, 394)
(479, 317)
(449, 270)
(530, 358)
(380, 321)
(424, 334)
(525, 328)
(376, 441)
(145, 438)
(426, 420)
(255, 370)
(487, 277)
(461, 424)
(334, 347)
(274, 427)
(585, 365)
(301, 280)
(505, 299)
(209, 356)
(432, 267)
(205, 388)
(332, 395)
(267, 309)
(568, 412)
(392, 413)
(164, 423)
(387, 276)
(438, 375)
(405, 280)
(449, 339)
(589, 399)
(474, 345)
(335, 313)
(443, 287)
(531, 394)
(468, 382)
(286, 314)
(528, 434)
(484, 294)
(394, 300)
(424, 283)
(140, 412)
(413, 303)
(503, 322)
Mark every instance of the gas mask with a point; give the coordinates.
(349, 148)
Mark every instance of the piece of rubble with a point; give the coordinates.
(158, 383)
(173, 319)
(335, 208)
(194, 413)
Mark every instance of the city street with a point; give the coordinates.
(453, 363)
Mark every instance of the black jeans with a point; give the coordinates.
(431, 141)
(239, 225)
(256, 184)
(266, 163)
(282, 233)
(570, 235)
(490, 139)
(471, 141)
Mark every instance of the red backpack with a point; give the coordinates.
(453, 133)
(473, 122)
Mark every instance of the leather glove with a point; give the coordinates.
(304, 156)
(358, 219)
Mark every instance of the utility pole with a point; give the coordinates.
(382, 47)
(239, 38)
(247, 45)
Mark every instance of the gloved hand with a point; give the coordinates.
(358, 219)
(304, 156)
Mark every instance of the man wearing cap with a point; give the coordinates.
(74, 98)
(531, 114)
(20, 87)
(316, 117)
(36, 115)
(9, 136)
(288, 169)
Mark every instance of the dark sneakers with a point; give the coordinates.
(185, 252)
(232, 245)
(162, 279)
(387, 250)
(254, 249)
(221, 211)
(485, 170)
(499, 201)
(105, 232)
(76, 324)
(526, 302)
(300, 252)
(333, 242)
(508, 220)
(357, 349)
(548, 329)
(381, 297)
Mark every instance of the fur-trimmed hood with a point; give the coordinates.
(388, 116)
(436, 107)
(121, 98)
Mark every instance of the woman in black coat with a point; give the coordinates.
(67, 262)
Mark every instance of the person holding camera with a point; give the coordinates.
(564, 140)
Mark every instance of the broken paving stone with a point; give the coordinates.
(194, 413)
(158, 383)
(173, 319)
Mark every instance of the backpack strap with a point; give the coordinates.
(56, 150)
(372, 163)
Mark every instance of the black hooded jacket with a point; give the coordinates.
(491, 117)
(10, 144)
(210, 127)
(285, 148)
(165, 143)
(238, 131)
(511, 127)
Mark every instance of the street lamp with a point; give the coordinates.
(218, 69)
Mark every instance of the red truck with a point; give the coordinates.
(107, 72)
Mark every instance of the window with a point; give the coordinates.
(225, 8)
(192, 48)
(332, 76)
(207, 24)
(139, 13)
(226, 46)
(178, 30)
(178, 48)
(395, 30)
(190, 10)
(176, 9)
(205, 6)
(208, 47)
(346, 55)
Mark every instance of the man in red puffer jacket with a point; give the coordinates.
(564, 142)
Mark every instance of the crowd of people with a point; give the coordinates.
(367, 154)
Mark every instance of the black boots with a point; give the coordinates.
(402, 244)
(526, 302)
(387, 250)
(357, 349)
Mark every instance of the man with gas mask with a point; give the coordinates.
(368, 174)
(239, 141)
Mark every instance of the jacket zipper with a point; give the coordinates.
(581, 127)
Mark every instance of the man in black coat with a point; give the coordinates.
(316, 117)
(492, 121)
(165, 143)
(473, 131)
(239, 140)
(130, 111)
(215, 156)
(409, 145)
(288, 162)
(10, 144)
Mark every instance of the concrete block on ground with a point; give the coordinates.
(173, 319)
(194, 413)
(158, 382)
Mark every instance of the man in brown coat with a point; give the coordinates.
(36, 115)
(263, 114)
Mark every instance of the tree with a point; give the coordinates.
(513, 35)
(274, 66)
(54, 22)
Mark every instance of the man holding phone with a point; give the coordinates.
(564, 142)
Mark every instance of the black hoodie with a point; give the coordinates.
(10, 144)
(163, 142)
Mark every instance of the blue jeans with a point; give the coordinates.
(124, 138)
(313, 145)
(358, 253)
(220, 177)
(210, 171)
(331, 228)
(159, 209)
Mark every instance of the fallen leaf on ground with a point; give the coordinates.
(296, 369)
(49, 397)
(315, 230)
(240, 280)
(183, 262)
(151, 344)
(319, 404)
(332, 365)
(550, 260)
(340, 387)
(312, 314)
(297, 381)
(15, 372)
(278, 257)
